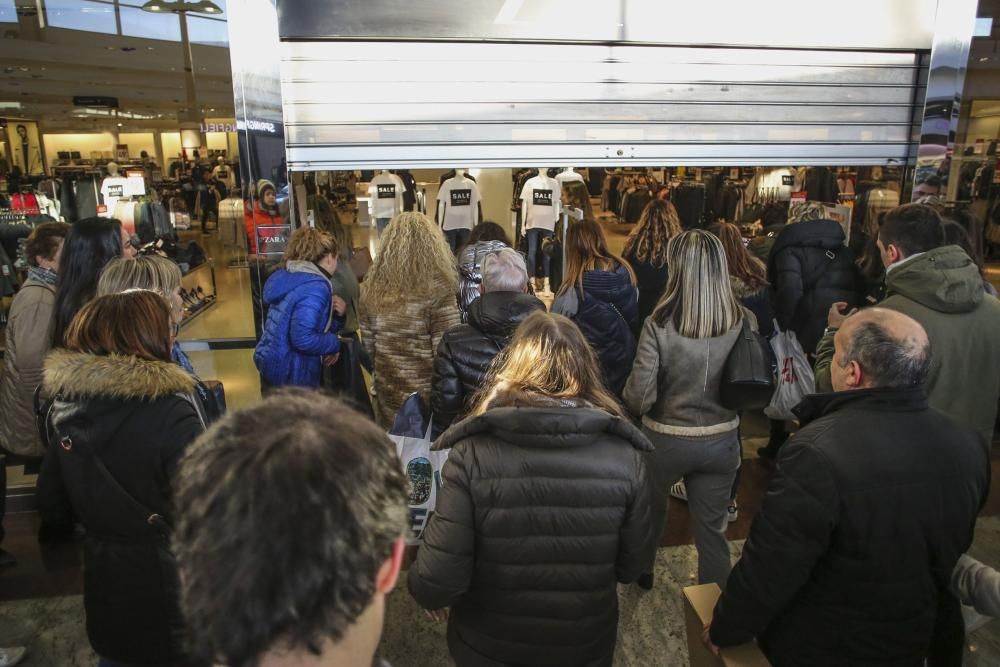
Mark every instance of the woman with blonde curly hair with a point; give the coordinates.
(646, 251)
(407, 303)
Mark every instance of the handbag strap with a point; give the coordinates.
(153, 519)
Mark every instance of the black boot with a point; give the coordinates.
(645, 581)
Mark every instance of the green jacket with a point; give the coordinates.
(943, 290)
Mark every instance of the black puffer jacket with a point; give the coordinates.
(131, 415)
(543, 510)
(466, 351)
(850, 558)
(607, 312)
(809, 269)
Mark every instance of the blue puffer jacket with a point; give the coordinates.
(607, 312)
(299, 329)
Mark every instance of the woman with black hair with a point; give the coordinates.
(92, 243)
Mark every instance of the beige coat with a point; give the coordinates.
(402, 341)
(28, 340)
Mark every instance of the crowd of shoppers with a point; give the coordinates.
(566, 432)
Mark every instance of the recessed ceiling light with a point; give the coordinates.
(119, 124)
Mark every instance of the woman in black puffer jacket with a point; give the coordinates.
(122, 416)
(810, 269)
(599, 294)
(544, 509)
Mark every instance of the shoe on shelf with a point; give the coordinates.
(732, 512)
(645, 581)
(6, 560)
(12, 656)
(679, 491)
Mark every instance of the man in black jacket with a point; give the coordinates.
(850, 558)
(466, 351)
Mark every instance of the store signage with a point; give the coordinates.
(95, 101)
(387, 191)
(542, 197)
(463, 197)
(257, 126)
(121, 152)
(797, 198)
(734, 173)
(218, 127)
(787, 179)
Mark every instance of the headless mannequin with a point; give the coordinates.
(543, 286)
(568, 175)
(113, 188)
(442, 207)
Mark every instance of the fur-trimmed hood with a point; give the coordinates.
(80, 375)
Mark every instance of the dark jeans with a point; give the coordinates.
(535, 237)
(381, 224)
(457, 237)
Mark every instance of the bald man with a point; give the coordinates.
(850, 559)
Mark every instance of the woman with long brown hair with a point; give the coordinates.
(544, 509)
(646, 251)
(599, 294)
(122, 416)
(408, 301)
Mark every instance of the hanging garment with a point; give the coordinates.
(86, 198)
(689, 200)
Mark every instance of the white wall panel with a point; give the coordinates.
(355, 104)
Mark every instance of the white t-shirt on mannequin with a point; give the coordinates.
(386, 192)
(460, 197)
(114, 188)
(540, 201)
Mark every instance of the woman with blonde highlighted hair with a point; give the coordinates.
(544, 509)
(599, 294)
(408, 301)
(646, 251)
(674, 387)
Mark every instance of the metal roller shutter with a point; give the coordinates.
(393, 104)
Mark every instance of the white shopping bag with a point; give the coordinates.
(795, 375)
(411, 431)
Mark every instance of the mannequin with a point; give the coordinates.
(386, 192)
(540, 202)
(568, 175)
(113, 187)
(459, 208)
(221, 172)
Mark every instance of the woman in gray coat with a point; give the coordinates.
(674, 388)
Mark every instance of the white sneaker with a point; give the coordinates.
(11, 656)
(679, 491)
(732, 512)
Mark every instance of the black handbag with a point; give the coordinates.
(749, 376)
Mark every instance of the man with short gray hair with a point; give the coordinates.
(849, 561)
(466, 351)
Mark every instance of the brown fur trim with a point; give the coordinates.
(75, 374)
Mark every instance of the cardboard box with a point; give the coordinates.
(699, 605)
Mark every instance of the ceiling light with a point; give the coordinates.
(202, 7)
(120, 124)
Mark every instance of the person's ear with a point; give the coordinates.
(388, 574)
(854, 375)
(894, 254)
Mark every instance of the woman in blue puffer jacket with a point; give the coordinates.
(599, 294)
(304, 315)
